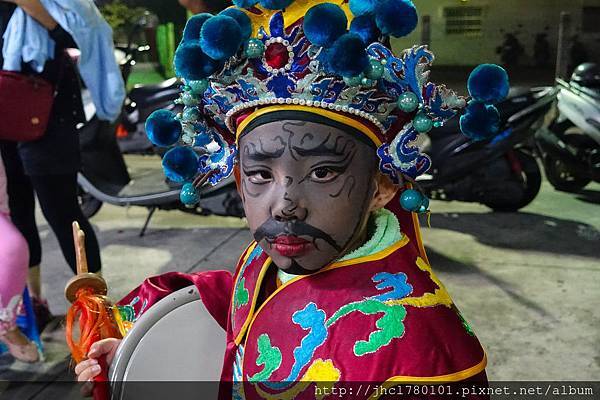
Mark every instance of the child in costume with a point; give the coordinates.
(14, 259)
(316, 117)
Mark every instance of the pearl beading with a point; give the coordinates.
(317, 104)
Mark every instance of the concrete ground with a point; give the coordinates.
(527, 282)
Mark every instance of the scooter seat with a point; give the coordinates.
(149, 90)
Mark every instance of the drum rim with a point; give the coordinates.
(169, 303)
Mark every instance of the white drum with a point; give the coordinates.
(175, 346)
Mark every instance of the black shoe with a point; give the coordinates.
(42, 313)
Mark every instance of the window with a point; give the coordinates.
(466, 21)
(590, 18)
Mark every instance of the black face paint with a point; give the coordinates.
(272, 228)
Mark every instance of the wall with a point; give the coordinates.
(533, 16)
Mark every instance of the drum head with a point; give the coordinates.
(175, 340)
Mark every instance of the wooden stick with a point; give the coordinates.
(79, 239)
(201, 179)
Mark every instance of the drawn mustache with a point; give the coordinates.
(272, 228)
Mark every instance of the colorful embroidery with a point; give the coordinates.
(241, 294)
(269, 356)
(321, 372)
(439, 297)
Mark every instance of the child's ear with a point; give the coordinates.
(385, 191)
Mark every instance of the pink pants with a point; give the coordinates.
(14, 261)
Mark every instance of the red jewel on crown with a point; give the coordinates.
(276, 55)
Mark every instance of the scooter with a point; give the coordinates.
(105, 175)
(501, 172)
(570, 142)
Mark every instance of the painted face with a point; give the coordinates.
(306, 189)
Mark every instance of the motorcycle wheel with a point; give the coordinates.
(562, 175)
(529, 182)
(88, 204)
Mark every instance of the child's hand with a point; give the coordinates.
(88, 369)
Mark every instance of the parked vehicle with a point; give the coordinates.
(105, 175)
(569, 142)
(502, 172)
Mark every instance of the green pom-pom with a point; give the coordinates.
(198, 87)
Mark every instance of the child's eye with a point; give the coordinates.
(260, 177)
(323, 174)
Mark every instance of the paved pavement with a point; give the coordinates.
(528, 282)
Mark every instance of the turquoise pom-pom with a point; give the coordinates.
(324, 24)
(162, 128)
(245, 3)
(408, 102)
(411, 200)
(361, 7)
(198, 87)
(180, 164)
(422, 123)
(480, 121)
(241, 18)
(275, 4)
(424, 204)
(488, 83)
(366, 28)
(220, 37)
(348, 57)
(192, 64)
(189, 195)
(255, 48)
(193, 27)
(374, 70)
(396, 17)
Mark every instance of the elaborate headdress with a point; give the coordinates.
(328, 58)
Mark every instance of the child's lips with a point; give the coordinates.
(291, 246)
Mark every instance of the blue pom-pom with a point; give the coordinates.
(348, 57)
(396, 17)
(220, 37)
(275, 4)
(324, 24)
(362, 7)
(480, 121)
(488, 83)
(193, 27)
(162, 128)
(241, 18)
(180, 164)
(245, 3)
(365, 27)
(192, 64)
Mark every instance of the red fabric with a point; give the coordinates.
(214, 288)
